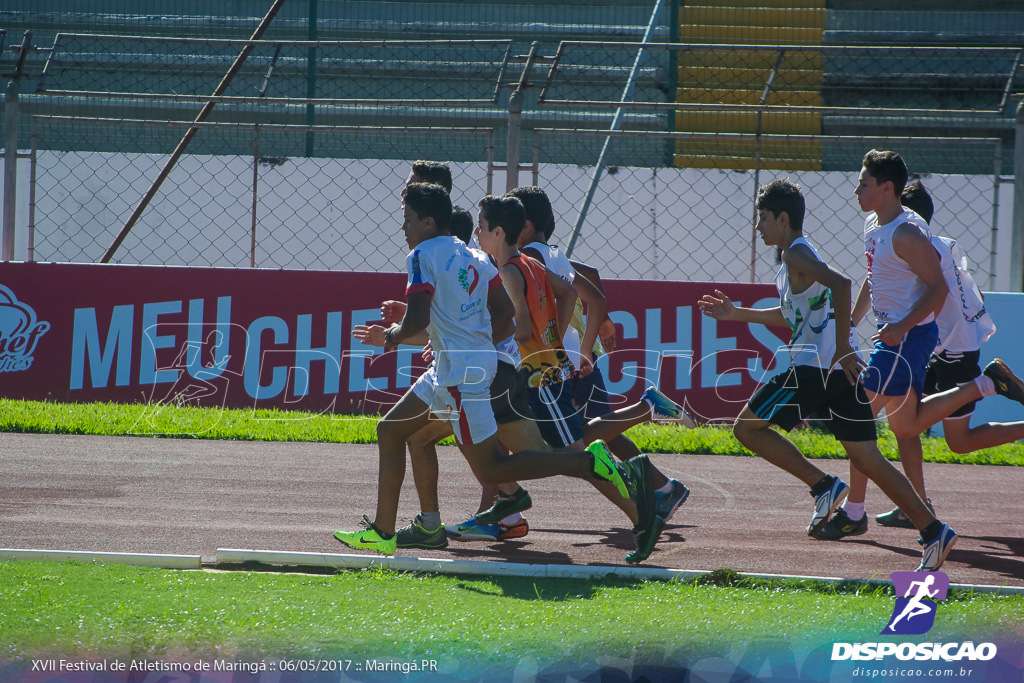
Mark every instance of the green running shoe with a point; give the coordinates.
(650, 524)
(368, 538)
(415, 535)
(505, 505)
(645, 540)
(605, 468)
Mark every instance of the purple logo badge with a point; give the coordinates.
(914, 612)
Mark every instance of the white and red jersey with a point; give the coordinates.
(893, 285)
(460, 324)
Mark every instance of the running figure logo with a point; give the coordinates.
(914, 613)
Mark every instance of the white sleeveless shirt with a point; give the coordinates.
(964, 324)
(810, 316)
(893, 285)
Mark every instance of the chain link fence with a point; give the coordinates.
(697, 224)
(268, 209)
(277, 177)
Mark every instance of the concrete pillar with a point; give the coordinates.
(1017, 237)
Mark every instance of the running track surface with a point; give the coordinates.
(190, 497)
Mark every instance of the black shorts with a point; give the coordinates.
(950, 369)
(787, 399)
(591, 396)
(508, 395)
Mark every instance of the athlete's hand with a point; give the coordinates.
(586, 365)
(392, 311)
(717, 306)
(606, 332)
(890, 334)
(371, 335)
(849, 362)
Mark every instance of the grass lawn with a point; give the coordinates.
(466, 624)
(274, 425)
(474, 629)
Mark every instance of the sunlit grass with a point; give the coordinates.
(97, 610)
(115, 419)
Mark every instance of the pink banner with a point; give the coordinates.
(282, 339)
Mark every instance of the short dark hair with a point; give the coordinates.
(916, 198)
(538, 208)
(461, 225)
(783, 195)
(430, 200)
(504, 211)
(887, 166)
(436, 172)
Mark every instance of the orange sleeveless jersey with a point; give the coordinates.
(544, 357)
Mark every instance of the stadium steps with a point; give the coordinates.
(734, 76)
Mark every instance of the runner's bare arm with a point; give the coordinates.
(503, 314)
(911, 245)
(863, 303)
(802, 263)
(720, 307)
(605, 326)
(565, 300)
(515, 285)
(414, 322)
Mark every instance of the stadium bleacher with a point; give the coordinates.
(939, 80)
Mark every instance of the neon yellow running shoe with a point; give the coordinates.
(605, 467)
(368, 538)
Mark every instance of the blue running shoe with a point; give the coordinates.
(665, 408)
(666, 504)
(472, 530)
(825, 504)
(934, 553)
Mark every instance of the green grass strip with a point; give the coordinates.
(93, 610)
(115, 419)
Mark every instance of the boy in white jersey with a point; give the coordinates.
(453, 293)
(590, 395)
(963, 326)
(814, 302)
(517, 430)
(904, 287)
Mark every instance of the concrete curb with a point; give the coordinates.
(280, 558)
(546, 571)
(137, 559)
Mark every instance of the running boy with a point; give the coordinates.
(452, 293)
(581, 342)
(904, 288)
(814, 302)
(963, 325)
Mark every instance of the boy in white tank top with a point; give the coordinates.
(815, 305)
(954, 361)
(904, 288)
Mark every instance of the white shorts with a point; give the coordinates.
(466, 406)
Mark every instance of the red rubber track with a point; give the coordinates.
(189, 497)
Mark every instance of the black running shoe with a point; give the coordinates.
(650, 525)
(1007, 383)
(841, 526)
(505, 505)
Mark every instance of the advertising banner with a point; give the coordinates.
(282, 339)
